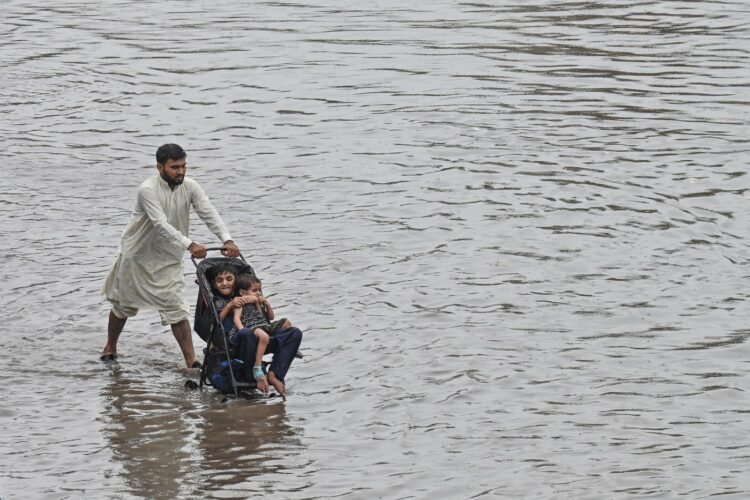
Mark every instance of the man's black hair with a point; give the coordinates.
(169, 152)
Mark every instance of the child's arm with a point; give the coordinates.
(269, 310)
(238, 318)
(226, 310)
(265, 307)
(230, 306)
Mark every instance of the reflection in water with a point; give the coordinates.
(238, 442)
(149, 436)
(170, 445)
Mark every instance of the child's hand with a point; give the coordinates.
(243, 299)
(261, 298)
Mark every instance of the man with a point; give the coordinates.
(148, 271)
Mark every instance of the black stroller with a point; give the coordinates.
(220, 369)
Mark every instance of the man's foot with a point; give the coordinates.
(108, 358)
(277, 384)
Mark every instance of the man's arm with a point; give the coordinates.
(208, 214)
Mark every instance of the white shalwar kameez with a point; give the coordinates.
(148, 271)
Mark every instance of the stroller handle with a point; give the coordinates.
(213, 249)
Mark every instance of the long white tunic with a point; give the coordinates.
(148, 271)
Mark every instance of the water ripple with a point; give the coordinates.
(512, 234)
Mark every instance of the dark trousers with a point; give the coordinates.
(284, 345)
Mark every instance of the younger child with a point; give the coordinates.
(254, 315)
(256, 286)
(251, 316)
(266, 309)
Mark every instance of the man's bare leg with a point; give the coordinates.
(114, 329)
(277, 384)
(181, 332)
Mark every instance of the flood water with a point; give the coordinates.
(513, 232)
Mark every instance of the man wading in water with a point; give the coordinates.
(148, 270)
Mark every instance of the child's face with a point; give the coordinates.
(224, 283)
(245, 292)
(256, 288)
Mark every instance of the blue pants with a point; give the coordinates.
(284, 345)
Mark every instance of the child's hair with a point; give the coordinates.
(246, 280)
(221, 269)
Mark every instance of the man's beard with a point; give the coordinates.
(172, 181)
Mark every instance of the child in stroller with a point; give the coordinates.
(231, 352)
(261, 312)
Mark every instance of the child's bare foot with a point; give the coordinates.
(262, 385)
(260, 379)
(277, 384)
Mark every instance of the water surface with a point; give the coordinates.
(508, 229)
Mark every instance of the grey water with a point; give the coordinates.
(513, 232)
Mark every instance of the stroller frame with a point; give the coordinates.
(207, 323)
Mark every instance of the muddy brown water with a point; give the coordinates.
(514, 234)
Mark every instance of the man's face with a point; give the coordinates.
(173, 171)
(224, 284)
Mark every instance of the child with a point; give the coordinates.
(254, 315)
(224, 284)
(266, 309)
(256, 286)
(251, 316)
